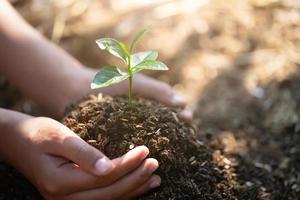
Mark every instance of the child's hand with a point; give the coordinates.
(160, 91)
(63, 167)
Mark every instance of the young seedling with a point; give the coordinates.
(135, 62)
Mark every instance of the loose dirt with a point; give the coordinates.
(186, 166)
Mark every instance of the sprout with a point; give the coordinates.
(135, 63)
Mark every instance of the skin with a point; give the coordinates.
(66, 167)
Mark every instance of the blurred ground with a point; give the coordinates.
(236, 61)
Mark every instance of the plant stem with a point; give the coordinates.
(130, 83)
(130, 92)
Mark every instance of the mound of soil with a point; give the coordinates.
(186, 166)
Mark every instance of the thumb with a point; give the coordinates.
(84, 155)
(87, 156)
(159, 91)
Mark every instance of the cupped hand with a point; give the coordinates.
(162, 92)
(64, 167)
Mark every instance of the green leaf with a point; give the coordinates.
(113, 46)
(137, 58)
(125, 49)
(137, 39)
(108, 76)
(149, 64)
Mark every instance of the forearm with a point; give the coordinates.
(12, 142)
(47, 73)
(37, 67)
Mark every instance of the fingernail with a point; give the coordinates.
(155, 184)
(188, 113)
(102, 166)
(144, 151)
(178, 100)
(153, 166)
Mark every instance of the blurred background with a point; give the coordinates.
(236, 61)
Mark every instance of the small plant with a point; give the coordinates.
(134, 62)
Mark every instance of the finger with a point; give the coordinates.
(178, 101)
(162, 92)
(186, 115)
(159, 91)
(126, 185)
(77, 150)
(152, 183)
(86, 156)
(129, 162)
(75, 179)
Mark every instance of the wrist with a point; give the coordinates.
(77, 86)
(11, 143)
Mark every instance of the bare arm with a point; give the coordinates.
(36, 66)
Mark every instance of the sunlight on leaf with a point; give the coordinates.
(137, 58)
(137, 39)
(113, 46)
(150, 65)
(125, 49)
(108, 76)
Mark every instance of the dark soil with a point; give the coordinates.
(14, 186)
(266, 147)
(186, 166)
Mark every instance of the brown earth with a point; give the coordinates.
(186, 166)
